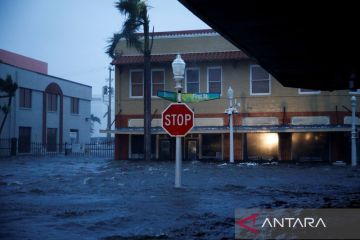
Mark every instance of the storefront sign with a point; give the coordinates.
(313, 120)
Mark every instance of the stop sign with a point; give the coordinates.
(177, 119)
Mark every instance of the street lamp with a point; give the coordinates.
(178, 67)
(230, 111)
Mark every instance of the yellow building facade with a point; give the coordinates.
(273, 122)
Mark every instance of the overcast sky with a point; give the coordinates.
(71, 35)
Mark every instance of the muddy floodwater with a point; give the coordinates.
(94, 198)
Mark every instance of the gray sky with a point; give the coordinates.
(70, 35)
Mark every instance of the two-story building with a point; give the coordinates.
(45, 109)
(273, 122)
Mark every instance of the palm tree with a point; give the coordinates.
(137, 19)
(9, 88)
(93, 120)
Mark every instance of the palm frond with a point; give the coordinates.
(8, 86)
(136, 12)
(142, 10)
(130, 31)
(112, 42)
(127, 6)
(94, 118)
(134, 41)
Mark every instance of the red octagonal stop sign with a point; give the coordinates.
(177, 119)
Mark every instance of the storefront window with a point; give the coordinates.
(211, 145)
(137, 145)
(263, 146)
(310, 146)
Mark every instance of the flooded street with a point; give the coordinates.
(94, 198)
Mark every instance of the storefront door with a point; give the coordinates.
(191, 150)
(165, 149)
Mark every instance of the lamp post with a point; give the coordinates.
(110, 92)
(178, 67)
(232, 109)
(353, 132)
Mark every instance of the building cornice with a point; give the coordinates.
(188, 57)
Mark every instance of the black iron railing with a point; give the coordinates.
(10, 147)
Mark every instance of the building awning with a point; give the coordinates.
(188, 57)
(303, 44)
(239, 129)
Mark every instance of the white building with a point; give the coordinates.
(99, 108)
(45, 109)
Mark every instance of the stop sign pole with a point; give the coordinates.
(178, 66)
(177, 121)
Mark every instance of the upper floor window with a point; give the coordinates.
(74, 105)
(25, 97)
(158, 81)
(308, 91)
(192, 76)
(136, 83)
(259, 81)
(214, 79)
(51, 102)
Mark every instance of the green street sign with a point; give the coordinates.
(171, 96)
(188, 97)
(199, 97)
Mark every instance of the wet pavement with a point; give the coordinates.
(93, 198)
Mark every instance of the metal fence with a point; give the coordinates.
(101, 149)
(5, 147)
(11, 147)
(39, 149)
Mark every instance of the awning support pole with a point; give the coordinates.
(353, 132)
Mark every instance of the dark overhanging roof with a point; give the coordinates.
(303, 44)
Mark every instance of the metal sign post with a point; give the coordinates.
(177, 121)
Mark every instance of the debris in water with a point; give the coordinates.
(223, 164)
(248, 164)
(87, 180)
(270, 163)
(339, 163)
(15, 183)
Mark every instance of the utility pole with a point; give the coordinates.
(109, 106)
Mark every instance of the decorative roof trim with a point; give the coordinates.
(190, 57)
(183, 34)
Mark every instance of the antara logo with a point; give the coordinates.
(252, 218)
(294, 222)
(287, 222)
